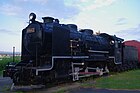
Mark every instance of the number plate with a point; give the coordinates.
(30, 30)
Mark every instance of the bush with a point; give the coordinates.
(4, 61)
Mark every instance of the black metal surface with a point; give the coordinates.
(42, 41)
(60, 41)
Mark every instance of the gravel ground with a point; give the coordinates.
(5, 84)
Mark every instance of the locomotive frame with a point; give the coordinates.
(53, 51)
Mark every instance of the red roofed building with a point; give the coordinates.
(134, 43)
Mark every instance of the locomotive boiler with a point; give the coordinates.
(53, 51)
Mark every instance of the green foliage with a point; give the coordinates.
(125, 80)
(5, 60)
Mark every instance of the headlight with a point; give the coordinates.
(32, 17)
(112, 42)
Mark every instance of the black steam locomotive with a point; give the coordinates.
(53, 51)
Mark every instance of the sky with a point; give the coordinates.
(115, 17)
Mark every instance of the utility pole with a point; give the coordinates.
(13, 54)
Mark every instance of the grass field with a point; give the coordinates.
(124, 80)
(5, 60)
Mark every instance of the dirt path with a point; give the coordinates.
(5, 84)
(77, 88)
(93, 90)
(62, 87)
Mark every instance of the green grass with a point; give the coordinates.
(60, 91)
(19, 92)
(5, 88)
(5, 60)
(125, 80)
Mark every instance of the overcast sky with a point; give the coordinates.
(119, 17)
